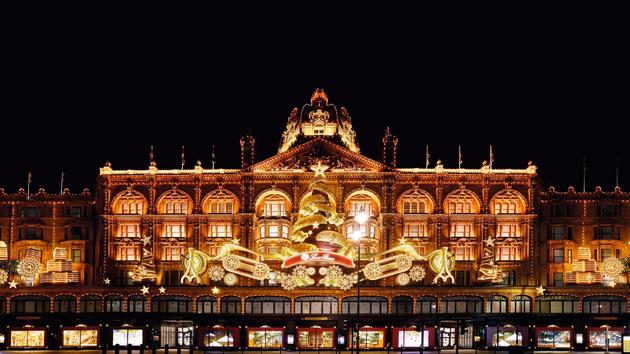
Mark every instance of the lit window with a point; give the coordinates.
(508, 230)
(129, 230)
(558, 255)
(175, 230)
(414, 230)
(128, 253)
(464, 253)
(76, 255)
(275, 207)
(221, 205)
(172, 253)
(174, 202)
(508, 252)
(357, 206)
(363, 229)
(285, 231)
(460, 207)
(220, 230)
(606, 253)
(462, 230)
(273, 231)
(414, 203)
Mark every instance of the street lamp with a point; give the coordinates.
(360, 218)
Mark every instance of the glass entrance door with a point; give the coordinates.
(176, 333)
(447, 337)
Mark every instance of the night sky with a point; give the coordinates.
(76, 99)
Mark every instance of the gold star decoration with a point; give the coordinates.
(146, 240)
(107, 281)
(319, 169)
(236, 241)
(162, 290)
(215, 290)
(489, 241)
(316, 226)
(13, 284)
(540, 290)
(145, 290)
(402, 241)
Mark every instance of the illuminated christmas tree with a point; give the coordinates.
(489, 271)
(146, 270)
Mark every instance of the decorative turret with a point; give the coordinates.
(390, 143)
(319, 119)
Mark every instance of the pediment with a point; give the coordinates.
(302, 156)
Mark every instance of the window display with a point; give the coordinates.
(506, 336)
(80, 337)
(265, 337)
(316, 338)
(369, 338)
(126, 336)
(218, 337)
(413, 337)
(597, 337)
(28, 338)
(554, 337)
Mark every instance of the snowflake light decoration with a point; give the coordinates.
(417, 273)
(216, 273)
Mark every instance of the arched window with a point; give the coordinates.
(30, 304)
(462, 304)
(415, 202)
(374, 305)
(91, 303)
(605, 304)
(220, 202)
(268, 305)
(462, 201)
(496, 304)
(174, 202)
(65, 303)
(360, 201)
(171, 304)
(137, 303)
(3, 305)
(521, 304)
(207, 304)
(230, 304)
(316, 305)
(507, 202)
(113, 303)
(557, 304)
(273, 205)
(129, 202)
(426, 304)
(402, 305)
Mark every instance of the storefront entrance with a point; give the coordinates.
(174, 333)
(447, 337)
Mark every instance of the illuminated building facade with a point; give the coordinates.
(265, 256)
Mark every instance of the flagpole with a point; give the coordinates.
(459, 150)
(28, 185)
(617, 172)
(213, 157)
(584, 174)
(426, 164)
(183, 157)
(61, 189)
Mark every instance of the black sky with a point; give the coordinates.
(76, 97)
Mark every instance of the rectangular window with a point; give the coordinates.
(274, 208)
(415, 230)
(172, 253)
(462, 230)
(76, 255)
(557, 279)
(77, 232)
(129, 230)
(75, 211)
(559, 210)
(507, 230)
(128, 253)
(508, 252)
(274, 231)
(462, 277)
(464, 253)
(31, 212)
(606, 253)
(509, 277)
(175, 230)
(361, 205)
(220, 230)
(558, 255)
(607, 210)
(558, 232)
(606, 232)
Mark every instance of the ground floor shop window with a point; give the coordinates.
(369, 338)
(125, 336)
(176, 333)
(554, 337)
(217, 336)
(28, 338)
(83, 337)
(506, 336)
(265, 337)
(316, 338)
(410, 337)
(603, 338)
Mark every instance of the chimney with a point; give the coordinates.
(247, 151)
(390, 143)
